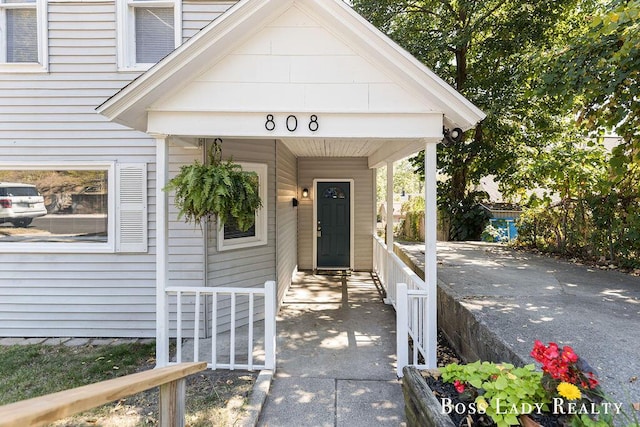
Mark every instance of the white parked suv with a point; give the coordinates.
(20, 203)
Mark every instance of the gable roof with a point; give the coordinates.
(130, 105)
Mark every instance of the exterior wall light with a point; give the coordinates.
(305, 193)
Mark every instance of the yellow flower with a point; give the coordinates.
(569, 391)
(482, 403)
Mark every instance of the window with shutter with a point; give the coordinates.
(147, 31)
(73, 207)
(23, 44)
(57, 207)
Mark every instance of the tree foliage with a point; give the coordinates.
(596, 74)
(484, 49)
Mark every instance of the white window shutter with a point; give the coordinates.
(131, 207)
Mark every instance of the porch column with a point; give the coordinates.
(389, 239)
(389, 233)
(430, 258)
(162, 251)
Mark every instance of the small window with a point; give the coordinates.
(334, 193)
(229, 236)
(23, 44)
(147, 31)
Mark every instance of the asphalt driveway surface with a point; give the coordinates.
(523, 297)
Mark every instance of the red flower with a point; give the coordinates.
(538, 351)
(561, 364)
(459, 386)
(568, 355)
(552, 351)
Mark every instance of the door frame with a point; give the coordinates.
(314, 224)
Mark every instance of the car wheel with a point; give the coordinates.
(22, 222)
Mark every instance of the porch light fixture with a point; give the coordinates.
(305, 193)
(452, 136)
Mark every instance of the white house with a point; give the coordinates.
(122, 93)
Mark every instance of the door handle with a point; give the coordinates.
(319, 233)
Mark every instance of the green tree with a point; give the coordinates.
(404, 180)
(484, 49)
(596, 74)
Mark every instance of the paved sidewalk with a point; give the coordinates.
(521, 297)
(336, 356)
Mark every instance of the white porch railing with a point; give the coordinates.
(241, 343)
(409, 295)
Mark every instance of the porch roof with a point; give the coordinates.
(373, 97)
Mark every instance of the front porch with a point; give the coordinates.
(343, 321)
(336, 353)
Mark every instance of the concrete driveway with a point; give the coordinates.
(522, 297)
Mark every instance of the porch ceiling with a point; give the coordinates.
(323, 147)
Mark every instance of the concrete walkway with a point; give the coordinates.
(336, 356)
(520, 297)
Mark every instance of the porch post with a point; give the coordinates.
(430, 257)
(162, 251)
(389, 239)
(389, 233)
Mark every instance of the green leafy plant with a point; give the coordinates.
(217, 189)
(567, 387)
(502, 391)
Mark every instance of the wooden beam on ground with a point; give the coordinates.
(46, 409)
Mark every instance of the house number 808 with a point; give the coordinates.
(291, 123)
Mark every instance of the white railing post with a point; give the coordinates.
(270, 325)
(402, 328)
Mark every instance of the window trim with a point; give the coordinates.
(42, 34)
(126, 30)
(75, 247)
(260, 239)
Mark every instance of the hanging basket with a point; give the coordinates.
(218, 189)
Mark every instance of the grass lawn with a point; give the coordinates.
(213, 397)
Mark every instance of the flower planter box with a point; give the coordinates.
(422, 409)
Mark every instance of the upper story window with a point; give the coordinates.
(148, 30)
(23, 35)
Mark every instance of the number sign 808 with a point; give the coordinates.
(291, 123)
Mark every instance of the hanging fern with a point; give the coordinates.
(218, 189)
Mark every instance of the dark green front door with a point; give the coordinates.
(334, 225)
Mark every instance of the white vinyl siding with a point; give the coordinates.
(52, 118)
(337, 168)
(286, 217)
(198, 14)
(186, 240)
